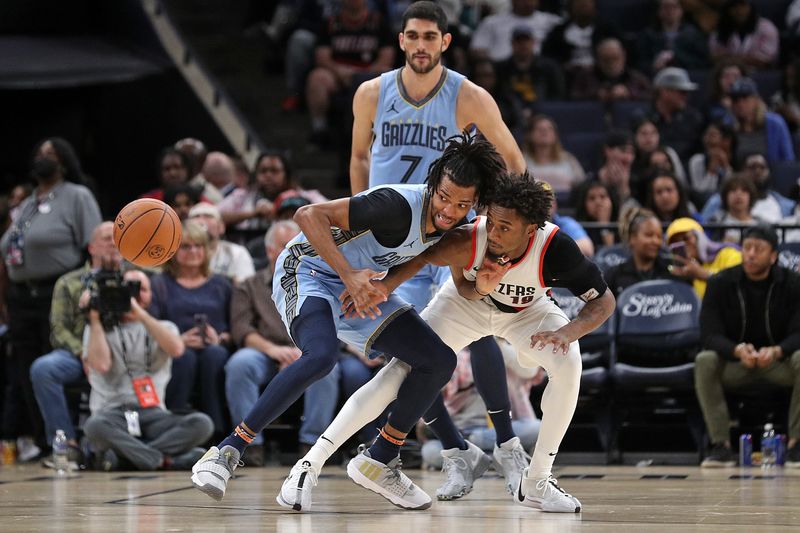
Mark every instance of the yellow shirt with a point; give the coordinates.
(725, 258)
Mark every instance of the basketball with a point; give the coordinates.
(147, 232)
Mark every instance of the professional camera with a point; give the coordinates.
(110, 295)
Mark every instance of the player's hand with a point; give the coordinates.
(559, 341)
(365, 295)
(285, 355)
(490, 273)
(348, 305)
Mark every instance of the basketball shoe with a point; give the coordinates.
(387, 480)
(511, 459)
(211, 473)
(296, 490)
(545, 494)
(462, 468)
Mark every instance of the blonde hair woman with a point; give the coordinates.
(546, 159)
(198, 302)
(758, 131)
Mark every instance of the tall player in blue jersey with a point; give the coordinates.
(401, 120)
(344, 244)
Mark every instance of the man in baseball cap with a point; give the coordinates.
(679, 124)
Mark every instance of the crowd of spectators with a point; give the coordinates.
(699, 124)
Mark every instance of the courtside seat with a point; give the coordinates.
(652, 371)
(611, 256)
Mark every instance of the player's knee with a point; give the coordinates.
(442, 361)
(321, 363)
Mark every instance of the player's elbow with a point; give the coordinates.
(303, 215)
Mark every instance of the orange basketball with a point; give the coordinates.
(147, 232)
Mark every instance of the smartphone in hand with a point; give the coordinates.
(201, 323)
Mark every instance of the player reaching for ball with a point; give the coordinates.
(503, 266)
(345, 243)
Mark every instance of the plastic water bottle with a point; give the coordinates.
(60, 459)
(768, 447)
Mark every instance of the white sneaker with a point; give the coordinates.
(462, 468)
(545, 494)
(511, 459)
(211, 473)
(388, 481)
(296, 489)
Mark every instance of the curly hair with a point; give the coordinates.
(531, 199)
(469, 161)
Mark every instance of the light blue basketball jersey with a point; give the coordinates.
(410, 135)
(301, 272)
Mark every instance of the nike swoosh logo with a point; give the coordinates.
(551, 454)
(495, 412)
(520, 496)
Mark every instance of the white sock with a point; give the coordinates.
(364, 406)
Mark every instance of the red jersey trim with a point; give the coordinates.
(541, 255)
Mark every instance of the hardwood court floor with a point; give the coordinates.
(615, 499)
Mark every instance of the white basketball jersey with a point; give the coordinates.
(523, 284)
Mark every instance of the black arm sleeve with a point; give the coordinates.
(384, 212)
(565, 266)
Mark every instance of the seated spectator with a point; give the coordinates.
(196, 152)
(738, 196)
(758, 130)
(287, 203)
(678, 123)
(251, 207)
(490, 39)
(547, 160)
(129, 367)
(786, 102)
(468, 411)
(227, 258)
(711, 167)
(666, 197)
(611, 78)
(357, 39)
(569, 225)
(698, 258)
(720, 106)
(616, 171)
(216, 178)
(743, 34)
(641, 231)
(646, 140)
(181, 198)
(63, 366)
(572, 42)
(266, 349)
(174, 168)
(484, 75)
(198, 302)
(596, 202)
(526, 75)
(672, 42)
(751, 343)
(771, 206)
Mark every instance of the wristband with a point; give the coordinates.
(474, 288)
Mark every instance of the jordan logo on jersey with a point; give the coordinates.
(392, 108)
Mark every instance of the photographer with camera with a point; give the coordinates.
(129, 354)
(62, 366)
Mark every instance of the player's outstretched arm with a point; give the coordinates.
(590, 317)
(365, 103)
(316, 221)
(476, 106)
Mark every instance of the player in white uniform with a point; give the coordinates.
(503, 266)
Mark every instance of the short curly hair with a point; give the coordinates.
(531, 199)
